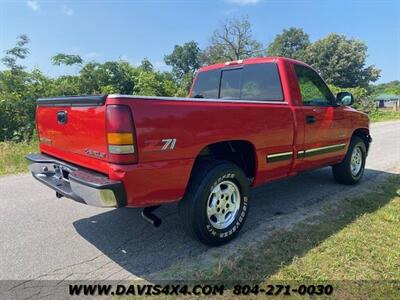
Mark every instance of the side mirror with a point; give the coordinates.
(344, 98)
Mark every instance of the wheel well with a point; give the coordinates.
(363, 133)
(241, 153)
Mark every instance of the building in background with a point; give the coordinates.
(388, 101)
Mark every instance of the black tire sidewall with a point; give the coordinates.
(203, 227)
(342, 172)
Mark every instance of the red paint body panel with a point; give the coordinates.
(162, 176)
(85, 129)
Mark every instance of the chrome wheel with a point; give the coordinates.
(223, 204)
(356, 161)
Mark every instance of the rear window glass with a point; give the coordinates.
(251, 82)
(206, 84)
(231, 84)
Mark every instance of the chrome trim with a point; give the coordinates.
(279, 154)
(94, 197)
(52, 169)
(112, 96)
(314, 151)
(41, 168)
(324, 148)
(277, 157)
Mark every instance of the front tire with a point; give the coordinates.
(351, 169)
(215, 205)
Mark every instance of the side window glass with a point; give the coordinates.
(313, 89)
(261, 82)
(206, 84)
(231, 81)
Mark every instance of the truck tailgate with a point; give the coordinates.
(74, 129)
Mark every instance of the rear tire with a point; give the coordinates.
(215, 205)
(351, 169)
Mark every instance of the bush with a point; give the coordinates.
(378, 115)
(20, 89)
(362, 101)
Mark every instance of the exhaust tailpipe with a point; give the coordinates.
(150, 217)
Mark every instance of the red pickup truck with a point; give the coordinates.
(245, 123)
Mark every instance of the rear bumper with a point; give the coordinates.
(77, 183)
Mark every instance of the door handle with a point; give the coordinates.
(62, 117)
(310, 119)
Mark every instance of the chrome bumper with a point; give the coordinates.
(76, 183)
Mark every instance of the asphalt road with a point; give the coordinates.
(42, 237)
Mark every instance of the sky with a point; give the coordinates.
(137, 29)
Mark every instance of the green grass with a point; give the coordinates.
(353, 245)
(366, 250)
(12, 156)
(366, 246)
(379, 115)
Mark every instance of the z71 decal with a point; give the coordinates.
(169, 144)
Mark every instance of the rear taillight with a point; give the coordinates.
(120, 135)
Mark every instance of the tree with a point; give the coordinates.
(122, 78)
(233, 41)
(184, 59)
(341, 61)
(109, 77)
(19, 90)
(66, 59)
(362, 99)
(392, 87)
(146, 65)
(66, 85)
(290, 43)
(20, 51)
(154, 83)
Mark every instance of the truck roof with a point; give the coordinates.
(251, 60)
